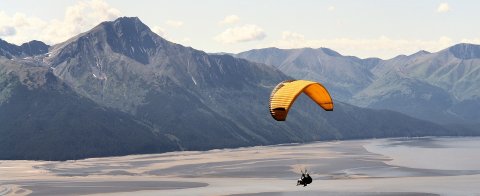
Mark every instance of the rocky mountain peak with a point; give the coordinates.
(125, 20)
(34, 47)
(421, 52)
(27, 49)
(465, 51)
(129, 36)
(126, 35)
(7, 49)
(330, 52)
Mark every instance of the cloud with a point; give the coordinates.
(331, 8)
(78, 18)
(443, 7)
(231, 19)
(471, 41)
(383, 47)
(245, 33)
(174, 23)
(186, 39)
(159, 31)
(7, 31)
(292, 36)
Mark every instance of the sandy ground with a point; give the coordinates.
(425, 166)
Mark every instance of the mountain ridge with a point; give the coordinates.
(452, 72)
(166, 97)
(30, 48)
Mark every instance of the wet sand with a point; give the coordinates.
(362, 167)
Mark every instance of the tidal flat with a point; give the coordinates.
(398, 166)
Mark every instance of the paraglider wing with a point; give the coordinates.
(285, 94)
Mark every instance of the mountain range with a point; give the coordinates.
(442, 87)
(121, 89)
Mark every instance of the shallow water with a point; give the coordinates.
(401, 166)
(430, 153)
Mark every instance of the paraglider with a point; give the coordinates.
(305, 179)
(285, 94)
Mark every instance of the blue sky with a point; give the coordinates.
(369, 28)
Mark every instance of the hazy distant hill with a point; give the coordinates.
(446, 84)
(443, 87)
(343, 75)
(121, 89)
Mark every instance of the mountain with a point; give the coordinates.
(199, 100)
(452, 74)
(441, 87)
(343, 75)
(42, 118)
(408, 95)
(121, 89)
(27, 49)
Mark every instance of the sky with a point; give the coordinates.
(367, 28)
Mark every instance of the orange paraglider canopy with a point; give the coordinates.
(285, 94)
